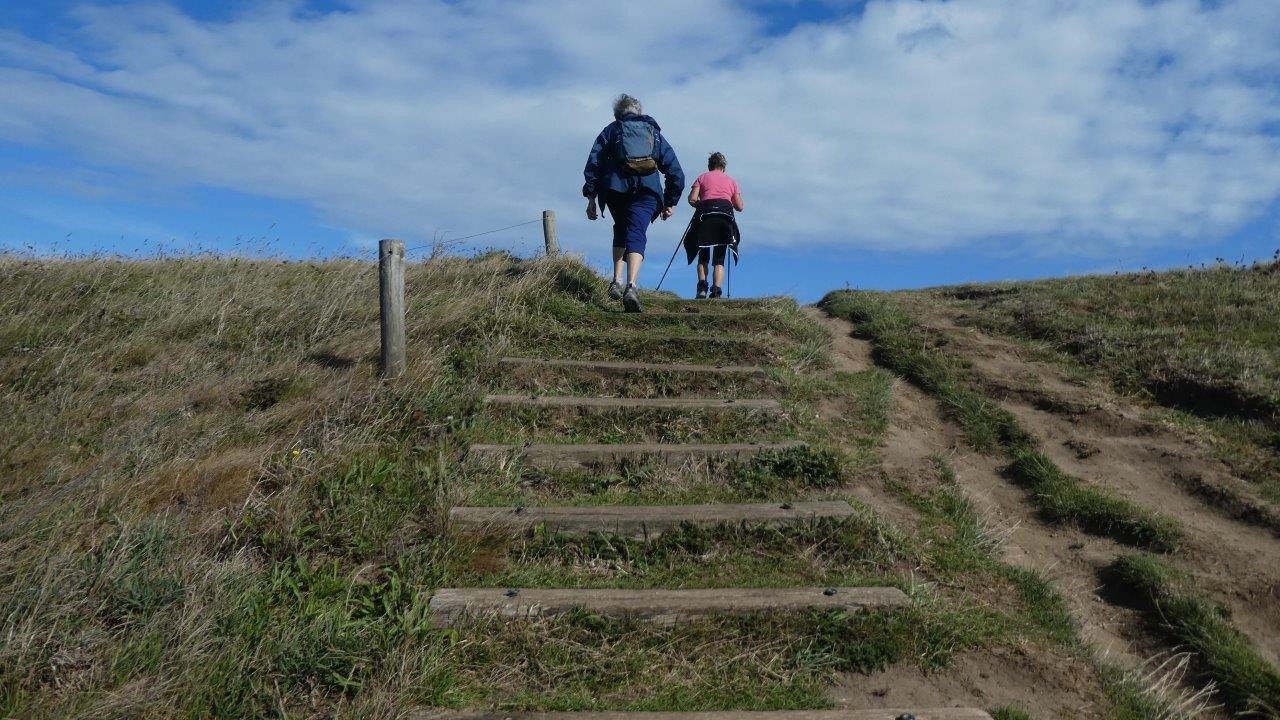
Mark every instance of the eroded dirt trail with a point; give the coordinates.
(1107, 440)
(1059, 686)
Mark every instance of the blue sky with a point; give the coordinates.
(883, 144)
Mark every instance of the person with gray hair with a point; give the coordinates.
(622, 175)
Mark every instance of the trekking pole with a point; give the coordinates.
(673, 253)
(728, 278)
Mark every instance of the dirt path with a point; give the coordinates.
(1107, 440)
(1057, 686)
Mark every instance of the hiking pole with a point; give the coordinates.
(673, 253)
(728, 278)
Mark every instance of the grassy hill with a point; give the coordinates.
(210, 506)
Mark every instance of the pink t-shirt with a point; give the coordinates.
(715, 185)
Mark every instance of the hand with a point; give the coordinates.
(592, 212)
(668, 212)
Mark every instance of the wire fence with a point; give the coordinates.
(444, 244)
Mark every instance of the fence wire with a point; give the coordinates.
(451, 241)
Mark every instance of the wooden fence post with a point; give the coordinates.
(549, 232)
(391, 304)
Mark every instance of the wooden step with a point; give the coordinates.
(614, 403)
(667, 301)
(451, 606)
(655, 337)
(880, 714)
(696, 312)
(642, 521)
(561, 456)
(620, 366)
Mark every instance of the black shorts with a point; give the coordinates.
(717, 231)
(714, 255)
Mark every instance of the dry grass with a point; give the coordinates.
(150, 407)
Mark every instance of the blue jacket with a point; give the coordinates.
(602, 175)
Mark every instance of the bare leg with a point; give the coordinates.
(617, 264)
(633, 267)
(719, 276)
(702, 272)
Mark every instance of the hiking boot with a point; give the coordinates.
(615, 290)
(715, 291)
(631, 299)
(702, 289)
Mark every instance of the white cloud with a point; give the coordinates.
(1068, 126)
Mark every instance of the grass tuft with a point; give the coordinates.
(1246, 682)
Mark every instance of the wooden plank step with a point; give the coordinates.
(642, 521)
(877, 714)
(613, 403)
(697, 313)
(643, 366)
(666, 300)
(658, 337)
(451, 606)
(553, 455)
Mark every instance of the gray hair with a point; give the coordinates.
(626, 105)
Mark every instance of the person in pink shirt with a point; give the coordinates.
(716, 196)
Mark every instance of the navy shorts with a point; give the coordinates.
(632, 215)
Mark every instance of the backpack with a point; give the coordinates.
(635, 146)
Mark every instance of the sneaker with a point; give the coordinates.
(615, 290)
(715, 291)
(631, 299)
(702, 289)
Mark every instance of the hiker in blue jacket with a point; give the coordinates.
(622, 175)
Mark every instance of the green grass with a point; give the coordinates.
(857, 551)
(1246, 682)
(521, 424)
(1200, 341)
(751, 663)
(1060, 497)
(904, 347)
(791, 473)
(505, 379)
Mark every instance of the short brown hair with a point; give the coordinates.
(717, 161)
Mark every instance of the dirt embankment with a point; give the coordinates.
(1056, 684)
(1233, 547)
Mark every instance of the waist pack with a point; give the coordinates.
(636, 144)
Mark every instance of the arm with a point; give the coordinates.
(737, 201)
(591, 176)
(695, 193)
(672, 175)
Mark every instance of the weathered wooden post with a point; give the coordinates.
(391, 303)
(549, 232)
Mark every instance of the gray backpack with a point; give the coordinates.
(636, 145)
